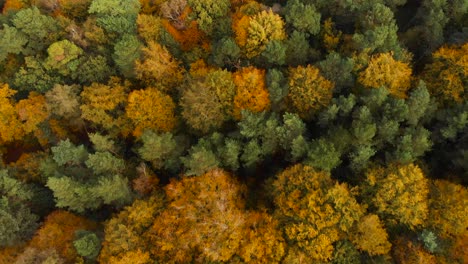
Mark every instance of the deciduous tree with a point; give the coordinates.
(251, 91)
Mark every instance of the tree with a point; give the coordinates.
(126, 52)
(150, 109)
(63, 101)
(58, 232)
(12, 41)
(21, 118)
(209, 12)
(251, 91)
(385, 71)
(102, 106)
(309, 91)
(377, 31)
(207, 101)
(40, 30)
(63, 57)
(87, 244)
(399, 194)
(158, 68)
(303, 17)
(313, 210)
(124, 233)
(447, 212)
(162, 150)
(369, 235)
(253, 33)
(263, 241)
(446, 77)
(116, 16)
(204, 219)
(17, 222)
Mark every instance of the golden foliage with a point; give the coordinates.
(10, 126)
(263, 242)
(313, 210)
(58, 232)
(101, 104)
(309, 91)
(384, 70)
(370, 235)
(32, 111)
(159, 67)
(447, 76)
(400, 194)
(134, 257)
(448, 210)
(148, 27)
(331, 37)
(22, 118)
(124, 232)
(251, 91)
(253, 33)
(150, 109)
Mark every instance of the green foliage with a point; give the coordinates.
(40, 30)
(17, 223)
(87, 244)
(116, 16)
(338, 69)
(104, 162)
(297, 52)
(302, 17)
(225, 52)
(12, 41)
(63, 57)
(200, 159)
(66, 153)
(209, 12)
(126, 51)
(162, 150)
(277, 86)
(430, 240)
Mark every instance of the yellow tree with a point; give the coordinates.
(448, 210)
(309, 91)
(254, 32)
(123, 234)
(313, 211)
(158, 68)
(384, 70)
(447, 76)
(370, 235)
(251, 91)
(150, 109)
(399, 193)
(10, 126)
(102, 104)
(263, 242)
(21, 118)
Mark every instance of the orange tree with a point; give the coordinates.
(150, 109)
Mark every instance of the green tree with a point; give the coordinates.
(87, 244)
(40, 30)
(63, 57)
(116, 16)
(303, 17)
(12, 41)
(126, 52)
(209, 12)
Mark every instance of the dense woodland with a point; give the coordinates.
(233, 131)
